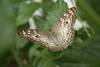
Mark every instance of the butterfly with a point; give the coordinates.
(61, 36)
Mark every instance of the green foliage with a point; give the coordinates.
(18, 52)
(25, 12)
(58, 9)
(90, 15)
(85, 56)
(7, 27)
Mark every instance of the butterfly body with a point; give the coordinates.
(61, 36)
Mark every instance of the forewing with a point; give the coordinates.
(39, 36)
(67, 19)
(63, 29)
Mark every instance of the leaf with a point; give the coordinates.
(47, 5)
(84, 36)
(25, 12)
(12, 1)
(58, 9)
(78, 40)
(33, 51)
(96, 6)
(51, 64)
(87, 55)
(20, 42)
(90, 15)
(4, 61)
(7, 27)
(54, 14)
(48, 58)
(39, 21)
(41, 55)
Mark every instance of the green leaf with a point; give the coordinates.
(84, 36)
(20, 42)
(96, 6)
(88, 55)
(12, 1)
(59, 8)
(91, 16)
(33, 51)
(55, 13)
(78, 40)
(25, 12)
(7, 27)
(77, 33)
(51, 64)
(47, 5)
(48, 58)
(5, 61)
(39, 21)
(41, 55)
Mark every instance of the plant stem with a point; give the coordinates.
(88, 34)
(89, 11)
(15, 55)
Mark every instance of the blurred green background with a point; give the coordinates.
(19, 52)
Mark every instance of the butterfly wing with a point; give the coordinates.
(39, 36)
(63, 29)
(61, 36)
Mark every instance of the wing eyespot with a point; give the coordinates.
(67, 22)
(36, 36)
(67, 33)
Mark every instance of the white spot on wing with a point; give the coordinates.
(25, 35)
(62, 20)
(23, 32)
(70, 11)
(65, 14)
(62, 24)
(68, 20)
(28, 31)
(39, 34)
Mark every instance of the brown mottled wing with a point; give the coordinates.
(61, 36)
(63, 29)
(39, 36)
